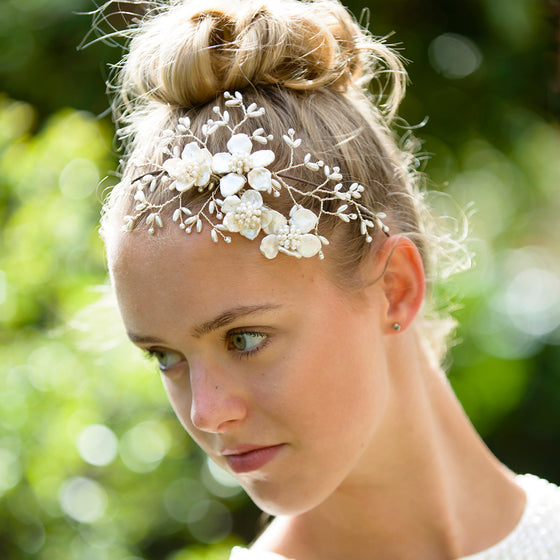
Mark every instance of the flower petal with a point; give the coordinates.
(252, 197)
(231, 183)
(204, 157)
(191, 151)
(260, 179)
(204, 177)
(250, 233)
(305, 220)
(282, 249)
(274, 221)
(240, 143)
(309, 245)
(262, 158)
(269, 246)
(230, 204)
(181, 186)
(173, 166)
(231, 223)
(221, 163)
(266, 218)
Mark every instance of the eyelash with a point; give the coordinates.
(152, 353)
(246, 353)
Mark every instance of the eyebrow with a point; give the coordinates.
(141, 339)
(220, 321)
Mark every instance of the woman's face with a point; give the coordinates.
(273, 370)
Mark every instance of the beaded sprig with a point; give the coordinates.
(235, 180)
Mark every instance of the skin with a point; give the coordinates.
(376, 457)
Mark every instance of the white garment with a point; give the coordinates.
(536, 537)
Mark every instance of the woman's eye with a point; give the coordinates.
(165, 359)
(246, 341)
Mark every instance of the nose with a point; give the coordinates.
(217, 401)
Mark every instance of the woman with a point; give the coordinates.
(308, 369)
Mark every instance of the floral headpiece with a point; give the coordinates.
(234, 181)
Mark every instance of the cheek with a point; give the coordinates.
(179, 394)
(338, 380)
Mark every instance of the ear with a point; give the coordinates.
(403, 281)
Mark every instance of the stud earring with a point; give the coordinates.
(396, 327)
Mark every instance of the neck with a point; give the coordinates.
(436, 492)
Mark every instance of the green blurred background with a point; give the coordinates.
(93, 464)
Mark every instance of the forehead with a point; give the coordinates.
(195, 257)
(160, 278)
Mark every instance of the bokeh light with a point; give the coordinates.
(217, 481)
(143, 447)
(454, 55)
(98, 445)
(209, 521)
(10, 470)
(83, 499)
(79, 179)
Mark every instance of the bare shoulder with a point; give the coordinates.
(273, 538)
(275, 535)
(239, 553)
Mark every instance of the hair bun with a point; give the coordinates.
(187, 55)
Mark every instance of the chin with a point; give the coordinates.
(283, 501)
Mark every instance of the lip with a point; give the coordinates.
(247, 458)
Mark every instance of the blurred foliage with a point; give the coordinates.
(92, 462)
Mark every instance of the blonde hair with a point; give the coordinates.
(313, 69)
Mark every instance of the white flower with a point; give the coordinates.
(241, 166)
(293, 237)
(246, 215)
(194, 167)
